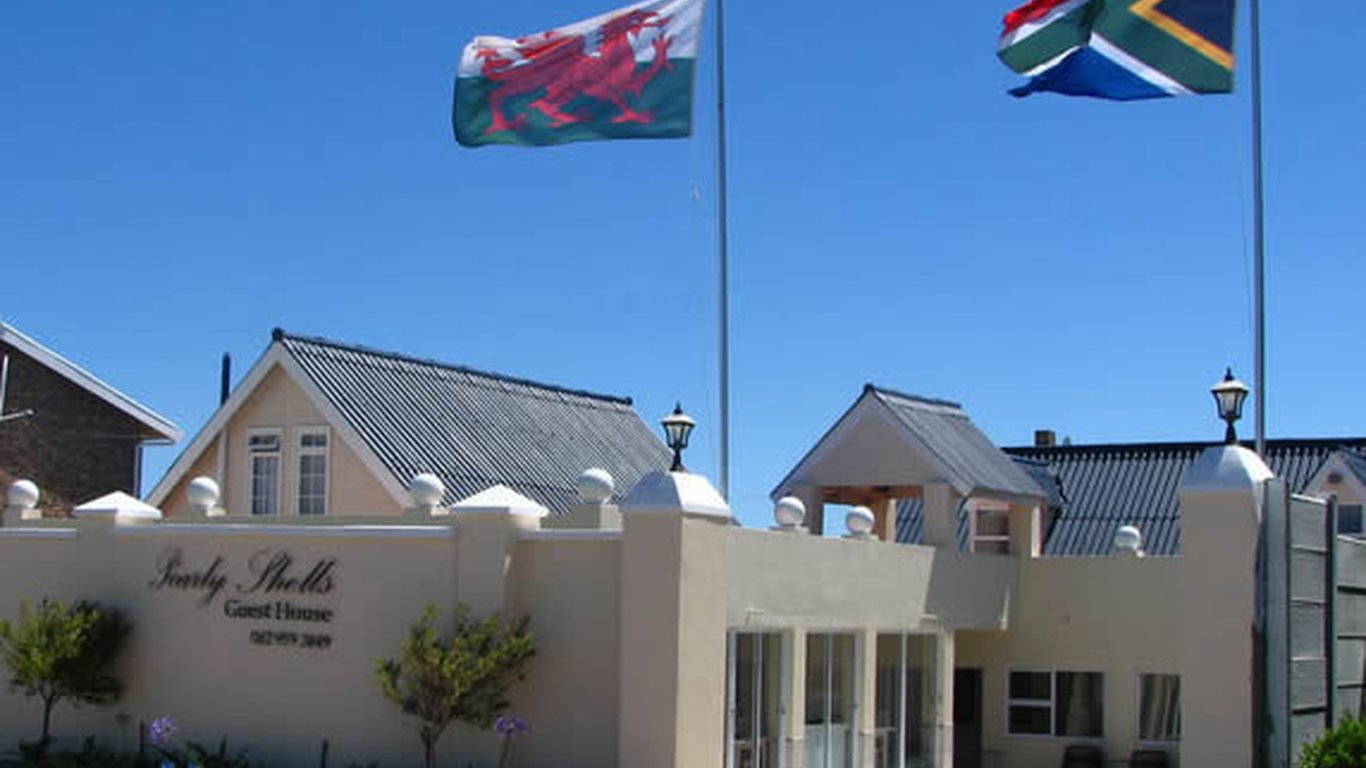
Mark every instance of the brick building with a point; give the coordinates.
(82, 439)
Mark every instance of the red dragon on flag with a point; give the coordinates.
(625, 74)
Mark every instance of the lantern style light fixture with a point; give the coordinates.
(1229, 395)
(677, 427)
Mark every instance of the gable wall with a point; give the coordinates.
(75, 447)
(278, 403)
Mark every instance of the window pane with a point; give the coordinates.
(1079, 704)
(313, 440)
(993, 522)
(1159, 707)
(1031, 685)
(1029, 719)
(265, 485)
(1349, 518)
(887, 741)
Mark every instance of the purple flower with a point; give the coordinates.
(510, 726)
(161, 730)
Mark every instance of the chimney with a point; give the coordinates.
(1045, 438)
(225, 379)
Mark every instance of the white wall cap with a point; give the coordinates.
(499, 498)
(676, 493)
(426, 490)
(23, 494)
(203, 493)
(1226, 469)
(119, 506)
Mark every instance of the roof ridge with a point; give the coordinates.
(1283, 442)
(279, 334)
(870, 387)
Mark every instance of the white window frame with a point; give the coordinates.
(1052, 704)
(1138, 710)
(299, 453)
(252, 455)
(990, 538)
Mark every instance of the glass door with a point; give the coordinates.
(756, 701)
(830, 700)
(905, 716)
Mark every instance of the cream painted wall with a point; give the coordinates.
(779, 579)
(571, 590)
(279, 403)
(1115, 615)
(197, 665)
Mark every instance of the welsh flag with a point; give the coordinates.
(626, 74)
(1121, 49)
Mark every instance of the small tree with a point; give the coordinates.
(59, 651)
(463, 676)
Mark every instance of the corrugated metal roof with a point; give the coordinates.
(972, 463)
(475, 429)
(1102, 487)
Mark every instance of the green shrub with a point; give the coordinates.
(63, 652)
(1341, 747)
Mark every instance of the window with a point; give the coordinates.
(905, 714)
(1159, 707)
(991, 530)
(1349, 518)
(313, 472)
(830, 700)
(1055, 704)
(757, 701)
(263, 453)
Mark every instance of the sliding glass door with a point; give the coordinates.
(905, 701)
(830, 700)
(754, 727)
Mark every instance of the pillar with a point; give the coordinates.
(673, 624)
(487, 526)
(941, 516)
(1220, 511)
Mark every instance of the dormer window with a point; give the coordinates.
(263, 454)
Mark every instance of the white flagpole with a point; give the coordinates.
(1259, 234)
(724, 287)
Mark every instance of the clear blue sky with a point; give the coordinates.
(176, 179)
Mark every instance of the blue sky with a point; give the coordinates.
(178, 179)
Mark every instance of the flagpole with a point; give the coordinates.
(1259, 234)
(724, 282)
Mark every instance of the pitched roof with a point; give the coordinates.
(972, 463)
(1106, 486)
(155, 426)
(945, 443)
(475, 429)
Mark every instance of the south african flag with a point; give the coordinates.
(1121, 49)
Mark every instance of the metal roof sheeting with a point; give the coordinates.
(971, 462)
(1106, 486)
(475, 429)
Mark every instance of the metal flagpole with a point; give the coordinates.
(724, 288)
(1259, 233)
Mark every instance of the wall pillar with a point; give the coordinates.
(865, 727)
(488, 524)
(1026, 531)
(1220, 512)
(941, 516)
(814, 501)
(673, 624)
(794, 719)
(944, 660)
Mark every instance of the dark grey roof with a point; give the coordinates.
(970, 461)
(475, 429)
(1106, 486)
(910, 519)
(1356, 463)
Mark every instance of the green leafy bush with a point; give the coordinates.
(464, 675)
(1343, 746)
(63, 652)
